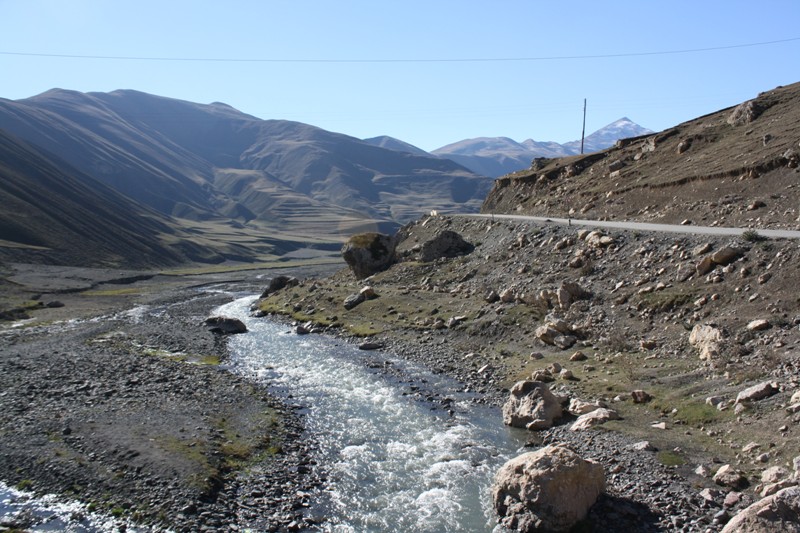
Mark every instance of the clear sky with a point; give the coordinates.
(381, 67)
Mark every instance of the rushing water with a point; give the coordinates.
(394, 462)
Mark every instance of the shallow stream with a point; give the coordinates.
(396, 460)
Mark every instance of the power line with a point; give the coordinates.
(406, 60)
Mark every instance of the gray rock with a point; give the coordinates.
(353, 300)
(445, 244)
(225, 325)
(279, 282)
(758, 392)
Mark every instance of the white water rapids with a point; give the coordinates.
(394, 463)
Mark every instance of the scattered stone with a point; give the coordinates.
(550, 489)
(727, 476)
(225, 325)
(779, 512)
(640, 396)
(594, 418)
(758, 325)
(353, 300)
(643, 446)
(578, 356)
(579, 407)
(368, 293)
(757, 392)
(531, 405)
(370, 346)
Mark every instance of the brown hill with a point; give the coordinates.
(735, 167)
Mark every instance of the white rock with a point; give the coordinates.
(594, 418)
(550, 489)
(757, 392)
(531, 405)
(758, 325)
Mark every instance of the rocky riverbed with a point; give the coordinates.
(133, 413)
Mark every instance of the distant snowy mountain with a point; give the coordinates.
(623, 128)
(496, 156)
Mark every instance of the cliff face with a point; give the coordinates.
(735, 167)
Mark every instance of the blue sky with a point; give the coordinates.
(368, 68)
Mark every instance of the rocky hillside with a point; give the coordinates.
(736, 167)
(691, 341)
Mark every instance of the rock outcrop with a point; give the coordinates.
(550, 489)
(369, 253)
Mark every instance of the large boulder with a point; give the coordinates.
(369, 253)
(279, 282)
(444, 244)
(550, 489)
(531, 405)
(779, 512)
(225, 325)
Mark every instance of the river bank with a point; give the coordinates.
(119, 397)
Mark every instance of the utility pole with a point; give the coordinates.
(583, 131)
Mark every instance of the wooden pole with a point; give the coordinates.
(583, 131)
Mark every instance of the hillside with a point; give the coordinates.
(53, 213)
(735, 167)
(228, 177)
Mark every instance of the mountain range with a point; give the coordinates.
(242, 186)
(497, 156)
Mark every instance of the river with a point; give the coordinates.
(395, 459)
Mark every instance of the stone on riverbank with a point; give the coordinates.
(550, 489)
(531, 405)
(225, 325)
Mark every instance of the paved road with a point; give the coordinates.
(644, 226)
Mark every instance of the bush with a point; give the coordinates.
(752, 235)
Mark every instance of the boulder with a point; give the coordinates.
(640, 396)
(726, 255)
(353, 300)
(594, 418)
(550, 489)
(779, 512)
(369, 253)
(279, 282)
(579, 407)
(444, 244)
(531, 405)
(727, 476)
(707, 338)
(225, 325)
(758, 392)
(758, 325)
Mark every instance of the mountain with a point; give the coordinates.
(390, 143)
(734, 167)
(53, 213)
(222, 173)
(496, 156)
